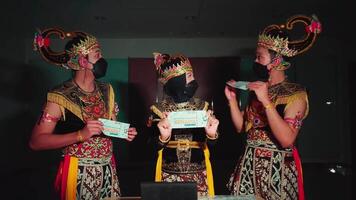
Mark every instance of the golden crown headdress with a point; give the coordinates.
(66, 58)
(171, 66)
(85, 46)
(286, 47)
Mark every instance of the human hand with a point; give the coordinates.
(230, 92)
(131, 134)
(261, 90)
(164, 127)
(212, 125)
(91, 128)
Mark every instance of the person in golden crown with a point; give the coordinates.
(270, 167)
(70, 116)
(183, 153)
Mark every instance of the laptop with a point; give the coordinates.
(169, 191)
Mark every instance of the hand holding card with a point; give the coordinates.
(188, 119)
(115, 128)
(242, 85)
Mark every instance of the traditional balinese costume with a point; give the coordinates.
(185, 156)
(88, 169)
(266, 169)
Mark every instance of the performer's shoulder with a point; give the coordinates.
(63, 87)
(294, 87)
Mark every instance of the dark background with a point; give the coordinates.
(219, 37)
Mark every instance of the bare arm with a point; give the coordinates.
(43, 137)
(235, 112)
(284, 129)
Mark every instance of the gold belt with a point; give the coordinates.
(185, 144)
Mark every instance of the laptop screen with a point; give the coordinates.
(169, 191)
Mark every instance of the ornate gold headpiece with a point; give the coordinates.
(85, 46)
(284, 46)
(67, 59)
(171, 66)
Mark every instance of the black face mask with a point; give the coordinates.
(100, 67)
(260, 71)
(179, 90)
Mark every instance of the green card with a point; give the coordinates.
(115, 128)
(188, 119)
(242, 85)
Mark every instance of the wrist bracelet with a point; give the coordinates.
(79, 136)
(164, 141)
(269, 106)
(213, 138)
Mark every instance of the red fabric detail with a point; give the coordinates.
(298, 165)
(88, 149)
(61, 177)
(113, 161)
(263, 153)
(58, 181)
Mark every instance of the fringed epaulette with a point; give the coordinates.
(286, 93)
(67, 95)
